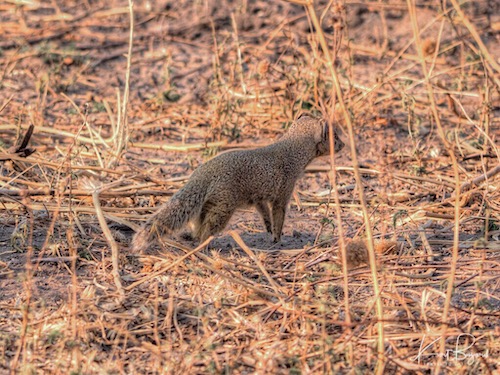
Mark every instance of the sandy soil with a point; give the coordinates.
(207, 76)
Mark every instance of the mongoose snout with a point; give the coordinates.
(264, 177)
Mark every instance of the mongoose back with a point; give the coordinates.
(263, 177)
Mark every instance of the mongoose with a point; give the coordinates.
(263, 177)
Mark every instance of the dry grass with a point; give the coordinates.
(416, 85)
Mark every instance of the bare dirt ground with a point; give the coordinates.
(207, 76)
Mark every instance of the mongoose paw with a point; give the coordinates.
(187, 236)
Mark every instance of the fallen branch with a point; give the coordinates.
(21, 150)
(476, 181)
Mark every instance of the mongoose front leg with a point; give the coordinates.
(263, 209)
(279, 209)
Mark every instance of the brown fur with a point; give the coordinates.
(263, 177)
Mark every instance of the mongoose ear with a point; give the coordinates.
(303, 114)
(318, 128)
(323, 131)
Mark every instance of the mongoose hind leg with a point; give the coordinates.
(263, 209)
(214, 217)
(278, 211)
(141, 240)
(150, 233)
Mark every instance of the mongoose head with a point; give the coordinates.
(318, 130)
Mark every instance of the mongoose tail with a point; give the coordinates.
(170, 217)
